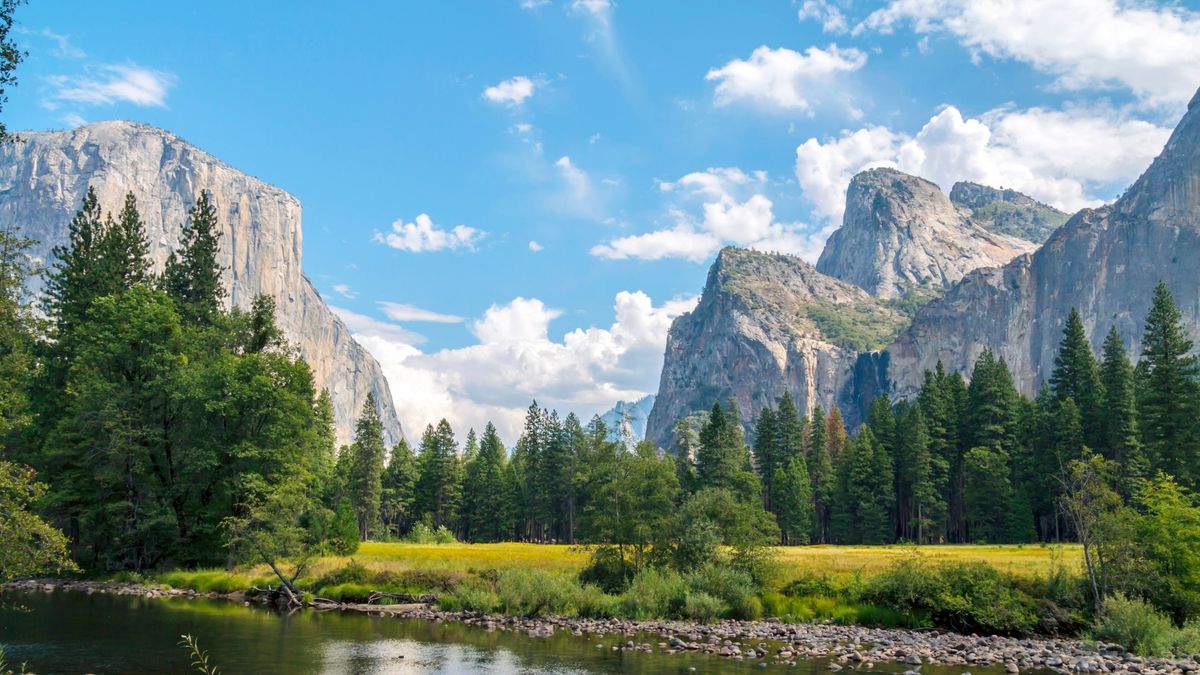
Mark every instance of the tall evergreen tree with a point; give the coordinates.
(398, 490)
(1118, 415)
(484, 490)
(192, 275)
(1077, 376)
(1168, 398)
(439, 482)
(723, 460)
(365, 470)
(822, 475)
(767, 459)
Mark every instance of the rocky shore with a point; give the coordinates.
(771, 642)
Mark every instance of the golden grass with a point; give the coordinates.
(1025, 560)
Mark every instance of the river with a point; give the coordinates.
(74, 632)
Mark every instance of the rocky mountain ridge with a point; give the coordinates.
(1008, 211)
(44, 176)
(1105, 262)
(901, 234)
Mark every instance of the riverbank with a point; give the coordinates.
(771, 642)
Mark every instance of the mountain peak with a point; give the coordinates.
(901, 234)
(1007, 211)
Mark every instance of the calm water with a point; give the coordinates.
(80, 633)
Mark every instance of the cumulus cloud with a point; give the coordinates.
(1151, 50)
(109, 84)
(534, 246)
(511, 93)
(516, 360)
(400, 312)
(782, 78)
(732, 210)
(1069, 158)
(423, 235)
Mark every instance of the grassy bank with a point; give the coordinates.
(1005, 589)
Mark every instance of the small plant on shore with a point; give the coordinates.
(199, 656)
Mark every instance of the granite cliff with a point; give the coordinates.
(1105, 262)
(770, 323)
(765, 324)
(902, 235)
(44, 176)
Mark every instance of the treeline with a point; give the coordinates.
(162, 423)
(975, 461)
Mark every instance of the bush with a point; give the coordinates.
(353, 573)
(533, 592)
(424, 533)
(967, 597)
(702, 607)
(734, 587)
(607, 569)
(346, 592)
(471, 597)
(653, 594)
(1134, 624)
(592, 602)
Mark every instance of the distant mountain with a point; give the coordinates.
(766, 324)
(1008, 211)
(44, 176)
(901, 235)
(634, 413)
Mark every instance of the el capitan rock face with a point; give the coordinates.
(901, 234)
(766, 323)
(1105, 262)
(42, 182)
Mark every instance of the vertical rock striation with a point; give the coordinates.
(42, 182)
(902, 235)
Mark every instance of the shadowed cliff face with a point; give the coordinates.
(42, 182)
(1105, 262)
(902, 234)
(766, 324)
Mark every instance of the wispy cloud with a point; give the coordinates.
(63, 48)
(400, 312)
(361, 324)
(109, 84)
(534, 246)
(345, 291)
(422, 235)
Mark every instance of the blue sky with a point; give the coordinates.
(512, 199)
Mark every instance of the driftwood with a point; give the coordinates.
(404, 598)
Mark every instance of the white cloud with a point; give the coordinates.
(533, 4)
(511, 93)
(782, 78)
(63, 48)
(733, 210)
(345, 291)
(400, 312)
(114, 84)
(1151, 50)
(1068, 158)
(831, 18)
(577, 180)
(73, 120)
(534, 246)
(515, 361)
(521, 128)
(422, 235)
(365, 326)
(603, 38)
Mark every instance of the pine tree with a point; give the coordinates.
(75, 278)
(484, 489)
(1119, 430)
(723, 460)
(1168, 400)
(125, 247)
(398, 495)
(365, 468)
(822, 475)
(835, 432)
(1077, 376)
(992, 404)
(989, 493)
(792, 492)
(192, 275)
(439, 481)
(864, 492)
(923, 486)
(767, 460)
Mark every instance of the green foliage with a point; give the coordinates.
(858, 327)
(365, 469)
(701, 607)
(961, 596)
(654, 593)
(425, 533)
(199, 656)
(1137, 626)
(1169, 392)
(534, 592)
(31, 546)
(439, 480)
(471, 597)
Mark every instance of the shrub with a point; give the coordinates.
(354, 572)
(653, 594)
(961, 596)
(1134, 624)
(471, 597)
(734, 587)
(346, 592)
(607, 569)
(424, 533)
(533, 592)
(702, 607)
(592, 602)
